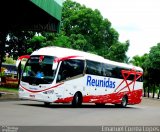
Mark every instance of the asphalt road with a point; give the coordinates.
(31, 113)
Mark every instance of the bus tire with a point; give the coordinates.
(77, 100)
(124, 101)
(47, 104)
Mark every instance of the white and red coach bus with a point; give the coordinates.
(61, 75)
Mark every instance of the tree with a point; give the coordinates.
(139, 60)
(35, 43)
(17, 43)
(62, 40)
(152, 67)
(2, 47)
(81, 28)
(87, 30)
(152, 63)
(117, 52)
(9, 60)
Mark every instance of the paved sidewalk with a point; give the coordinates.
(8, 96)
(150, 101)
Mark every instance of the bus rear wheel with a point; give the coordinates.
(77, 100)
(123, 103)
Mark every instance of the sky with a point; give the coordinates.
(135, 20)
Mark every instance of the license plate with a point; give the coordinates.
(32, 96)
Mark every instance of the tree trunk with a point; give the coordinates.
(144, 94)
(153, 90)
(158, 93)
(2, 47)
(148, 91)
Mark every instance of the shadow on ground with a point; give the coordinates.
(81, 107)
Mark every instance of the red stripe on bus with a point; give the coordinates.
(65, 58)
(32, 91)
(134, 97)
(126, 74)
(24, 56)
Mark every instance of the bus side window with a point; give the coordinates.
(75, 67)
(70, 68)
(107, 70)
(131, 77)
(94, 68)
(113, 71)
(140, 79)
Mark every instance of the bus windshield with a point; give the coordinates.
(38, 70)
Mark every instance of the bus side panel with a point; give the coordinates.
(135, 96)
(70, 87)
(98, 89)
(112, 90)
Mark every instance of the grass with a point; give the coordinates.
(5, 89)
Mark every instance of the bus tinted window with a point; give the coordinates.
(39, 71)
(94, 68)
(116, 72)
(70, 68)
(108, 69)
(112, 71)
(140, 79)
(131, 77)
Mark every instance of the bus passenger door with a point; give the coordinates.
(71, 73)
(63, 77)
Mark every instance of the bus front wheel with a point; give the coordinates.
(77, 100)
(47, 104)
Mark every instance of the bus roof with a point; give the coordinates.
(64, 52)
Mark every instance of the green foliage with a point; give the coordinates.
(62, 41)
(152, 63)
(84, 29)
(81, 28)
(78, 41)
(117, 52)
(8, 89)
(87, 30)
(36, 42)
(17, 44)
(9, 60)
(153, 60)
(29, 50)
(1, 74)
(139, 60)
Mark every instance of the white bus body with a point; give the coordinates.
(61, 75)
